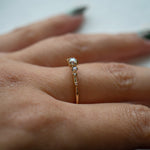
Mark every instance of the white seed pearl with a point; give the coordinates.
(74, 69)
(75, 74)
(72, 61)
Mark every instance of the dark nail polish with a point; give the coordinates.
(78, 11)
(145, 34)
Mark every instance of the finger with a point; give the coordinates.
(30, 34)
(110, 126)
(98, 82)
(87, 48)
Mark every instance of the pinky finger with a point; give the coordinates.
(112, 126)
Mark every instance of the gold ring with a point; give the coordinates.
(72, 62)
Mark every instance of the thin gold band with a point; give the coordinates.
(72, 62)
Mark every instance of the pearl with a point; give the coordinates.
(74, 69)
(75, 74)
(72, 61)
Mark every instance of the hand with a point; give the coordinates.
(37, 107)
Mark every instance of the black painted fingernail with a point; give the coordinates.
(78, 11)
(144, 34)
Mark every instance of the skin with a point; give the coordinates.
(37, 102)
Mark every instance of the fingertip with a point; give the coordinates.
(72, 22)
(78, 20)
(75, 17)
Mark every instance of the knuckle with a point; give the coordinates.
(10, 77)
(139, 117)
(75, 42)
(123, 75)
(40, 115)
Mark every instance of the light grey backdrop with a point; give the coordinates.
(111, 16)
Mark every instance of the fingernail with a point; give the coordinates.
(78, 11)
(145, 34)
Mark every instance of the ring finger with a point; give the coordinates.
(98, 82)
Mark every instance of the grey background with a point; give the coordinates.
(111, 16)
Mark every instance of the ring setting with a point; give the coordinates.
(72, 63)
